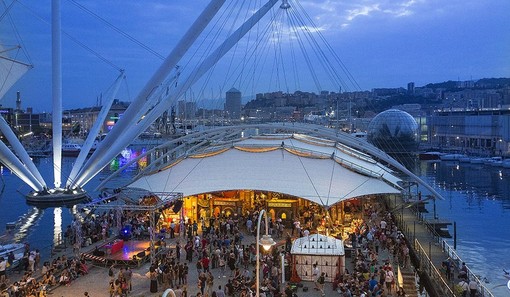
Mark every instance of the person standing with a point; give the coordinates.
(3, 266)
(128, 274)
(465, 287)
(220, 292)
(315, 275)
(178, 251)
(153, 276)
(389, 279)
(473, 288)
(172, 229)
(297, 226)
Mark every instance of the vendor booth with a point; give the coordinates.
(327, 252)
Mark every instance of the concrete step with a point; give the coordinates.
(409, 283)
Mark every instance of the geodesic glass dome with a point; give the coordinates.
(394, 131)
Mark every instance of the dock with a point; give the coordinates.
(429, 250)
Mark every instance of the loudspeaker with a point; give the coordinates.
(177, 206)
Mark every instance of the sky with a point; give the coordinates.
(382, 43)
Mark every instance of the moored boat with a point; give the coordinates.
(71, 149)
(452, 157)
(494, 161)
(506, 163)
(465, 159)
(430, 155)
(476, 161)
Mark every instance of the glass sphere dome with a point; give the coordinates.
(394, 131)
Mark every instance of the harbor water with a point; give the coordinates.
(476, 197)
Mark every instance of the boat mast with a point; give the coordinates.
(56, 91)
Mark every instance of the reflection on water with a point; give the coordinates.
(477, 198)
(26, 222)
(57, 229)
(32, 225)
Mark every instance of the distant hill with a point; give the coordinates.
(484, 83)
(493, 82)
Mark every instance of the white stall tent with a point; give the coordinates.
(325, 251)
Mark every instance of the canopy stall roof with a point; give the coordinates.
(327, 147)
(307, 169)
(317, 244)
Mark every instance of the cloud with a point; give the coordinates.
(361, 11)
(343, 14)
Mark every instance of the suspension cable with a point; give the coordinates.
(99, 56)
(117, 29)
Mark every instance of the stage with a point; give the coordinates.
(119, 252)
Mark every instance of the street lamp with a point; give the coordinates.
(267, 242)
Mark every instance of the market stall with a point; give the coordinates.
(327, 252)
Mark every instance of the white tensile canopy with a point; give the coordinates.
(324, 251)
(317, 170)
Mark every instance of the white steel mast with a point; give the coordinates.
(129, 117)
(137, 128)
(94, 131)
(56, 91)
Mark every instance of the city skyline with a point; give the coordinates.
(381, 43)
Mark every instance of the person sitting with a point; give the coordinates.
(83, 269)
(64, 278)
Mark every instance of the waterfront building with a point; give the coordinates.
(480, 131)
(82, 119)
(186, 110)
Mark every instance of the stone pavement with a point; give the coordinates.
(96, 282)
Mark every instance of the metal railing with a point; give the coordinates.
(447, 286)
(426, 265)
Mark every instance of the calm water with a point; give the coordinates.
(476, 197)
(40, 227)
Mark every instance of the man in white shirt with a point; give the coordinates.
(473, 288)
(383, 224)
(464, 285)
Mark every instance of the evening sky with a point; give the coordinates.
(383, 43)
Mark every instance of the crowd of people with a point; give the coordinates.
(36, 280)
(220, 249)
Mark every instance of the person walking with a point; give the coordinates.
(320, 283)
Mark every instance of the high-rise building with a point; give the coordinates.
(410, 88)
(233, 103)
(186, 110)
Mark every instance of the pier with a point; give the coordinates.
(429, 250)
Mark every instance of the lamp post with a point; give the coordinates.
(267, 242)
